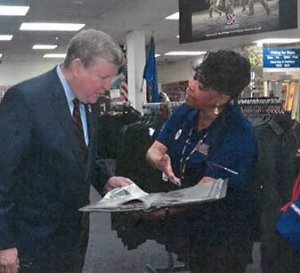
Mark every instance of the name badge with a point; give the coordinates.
(202, 148)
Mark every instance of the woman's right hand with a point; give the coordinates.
(164, 164)
(158, 157)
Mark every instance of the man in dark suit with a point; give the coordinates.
(46, 168)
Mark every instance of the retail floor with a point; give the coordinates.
(106, 253)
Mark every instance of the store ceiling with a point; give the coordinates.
(117, 17)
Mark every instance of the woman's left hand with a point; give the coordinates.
(206, 179)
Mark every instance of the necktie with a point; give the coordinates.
(79, 130)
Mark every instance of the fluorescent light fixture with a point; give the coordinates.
(55, 55)
(157, 55)
(277, 41)
(51, 26)
(177, 36)
(5, 37)
(1, 55)
(185, 53)
(13, 10)
(38, 46)
(174, 16)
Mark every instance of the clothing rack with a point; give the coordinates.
(261, 107)
(161, 108)
(110, 125)
(260, 100)
(119, 109)
(277, 167)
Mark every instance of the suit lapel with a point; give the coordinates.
(90, 127)
(61, 110)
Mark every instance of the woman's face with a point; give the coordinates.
(201, 98)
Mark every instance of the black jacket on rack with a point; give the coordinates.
(278, 138)
(135, 139)
(110, 125)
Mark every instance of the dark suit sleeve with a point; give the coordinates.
(101, 175)
(15, 124)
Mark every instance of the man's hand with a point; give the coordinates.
(9, 261)
(117, 181)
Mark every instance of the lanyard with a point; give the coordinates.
(184, 159)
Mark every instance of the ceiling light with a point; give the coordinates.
(276, 41)
(185, 53)
(157, 55)
(51, 26)
(37, 46)
(13, 10)
(55, 55)
(174, 16)
(5, 37)
(1, 55)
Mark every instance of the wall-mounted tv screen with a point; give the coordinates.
(212, 19)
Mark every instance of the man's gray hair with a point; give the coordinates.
(88, 45)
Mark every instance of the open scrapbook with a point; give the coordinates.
(133, 198)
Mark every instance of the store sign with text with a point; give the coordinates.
(281, 58)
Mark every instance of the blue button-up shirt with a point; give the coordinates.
(228, 142)
(226, 149)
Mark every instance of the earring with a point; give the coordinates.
(216, 111)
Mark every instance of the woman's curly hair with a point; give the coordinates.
(225, 71)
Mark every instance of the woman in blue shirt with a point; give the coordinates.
(205, 139)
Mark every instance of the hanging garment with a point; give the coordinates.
(288, 224)
(110, 125)
(277, 167)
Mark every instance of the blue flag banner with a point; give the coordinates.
(150, 73)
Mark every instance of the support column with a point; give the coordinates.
(135, 42)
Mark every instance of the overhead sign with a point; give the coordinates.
(282, 58)
(212, 19)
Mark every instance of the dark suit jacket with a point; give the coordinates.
(42, 179)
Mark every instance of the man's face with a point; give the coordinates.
(91, 82)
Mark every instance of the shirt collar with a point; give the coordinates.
(68, 91)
